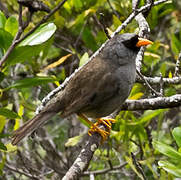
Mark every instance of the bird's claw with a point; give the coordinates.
(104, 134)
(107, 122)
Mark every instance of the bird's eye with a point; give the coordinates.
(131, 43)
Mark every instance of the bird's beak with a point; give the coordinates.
(143, 42)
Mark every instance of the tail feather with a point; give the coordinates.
(30, 126)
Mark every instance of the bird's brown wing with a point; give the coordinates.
(85, 92)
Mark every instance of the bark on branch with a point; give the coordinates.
(82, 161)
(152, 103)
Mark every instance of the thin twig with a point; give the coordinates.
(149, 135)
(20, 20)
(102, 22)
(15, 40)
(64, 48)
(138, 166)
(177, 67)
(20, 172)
(44, 19)
(113, 10)
(103, 171)
(80, 34)
(4, 9)
(135, 4)
(108, 156)
(30, 14)
(149, 86)
(161, 85)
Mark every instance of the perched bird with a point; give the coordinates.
(96, 90)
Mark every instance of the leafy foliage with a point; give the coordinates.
(173, 164)
(33, 69)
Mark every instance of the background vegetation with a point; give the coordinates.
(144, 144)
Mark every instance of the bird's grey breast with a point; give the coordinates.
(126, 75)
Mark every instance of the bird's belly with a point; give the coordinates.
(103, 110)
(108, 107)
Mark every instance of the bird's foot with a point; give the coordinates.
(103, 133)
(107, 122)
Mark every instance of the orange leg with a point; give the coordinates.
(94, 127)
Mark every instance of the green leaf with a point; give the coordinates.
(5, 39)
(147, 116)
(2, 122)
(8, 113)
(77, 4)
(68, 7)
(130, 162)
(73, 141)
(2, 135)
(17, 121)
(2, 163)
(177, 135)
(1, 75)
(166, 9)
(171, 168)
(153, 17)
(10, 148)
(83, 121)
(2, 19)
(167, 150)
(28, 82)
(31, 46)
(23, 53)
(89, 39)
(41, 34)
(175, 44)
(1, 53)
(116, 21)
(11, 25)
(52, 52)
(163, 69)
(84, 59)
(2, 146)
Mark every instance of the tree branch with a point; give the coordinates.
(152, 103)
(11, 168)
(138, 166)
(177, 67)
(44, 19)
(15, 40)
(156, 80)
(148, 85)
(82, 161)
(103, 171)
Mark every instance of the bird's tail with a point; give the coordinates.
(30, 126)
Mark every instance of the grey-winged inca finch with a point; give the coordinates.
(96, 90)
